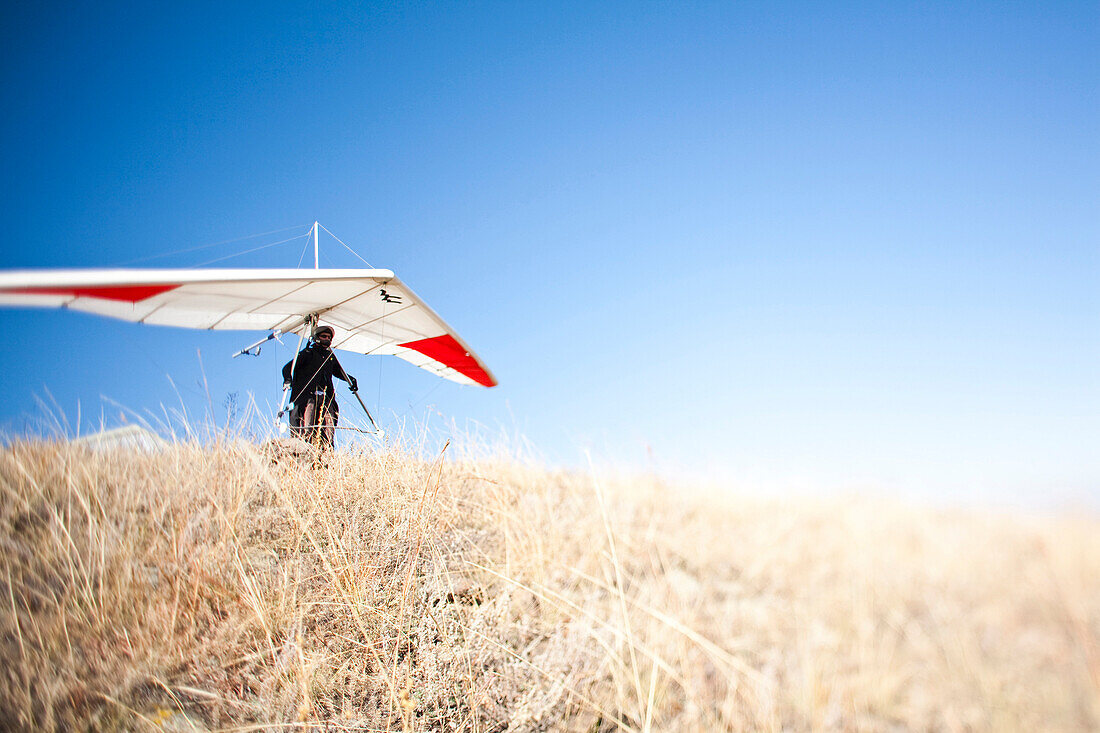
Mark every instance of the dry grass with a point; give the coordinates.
(208, 586)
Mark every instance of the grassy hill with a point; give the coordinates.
(214, 588)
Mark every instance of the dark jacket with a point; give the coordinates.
(314, 370)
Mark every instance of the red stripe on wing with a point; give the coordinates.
(122, 293)
(449, 352)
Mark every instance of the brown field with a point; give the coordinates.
(210, 588)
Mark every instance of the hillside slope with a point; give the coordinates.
(214, 588)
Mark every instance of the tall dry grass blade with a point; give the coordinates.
(620, 589)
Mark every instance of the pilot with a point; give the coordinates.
(309, 377)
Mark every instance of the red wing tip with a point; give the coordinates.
(120, 293)
(447, 351)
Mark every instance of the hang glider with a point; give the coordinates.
(373, 312)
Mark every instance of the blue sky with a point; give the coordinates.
(775, 245)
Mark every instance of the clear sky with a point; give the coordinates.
(817, 245)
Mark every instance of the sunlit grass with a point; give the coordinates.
(393, 589)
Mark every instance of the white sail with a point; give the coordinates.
(372, 311)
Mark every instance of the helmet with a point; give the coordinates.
(318, 330)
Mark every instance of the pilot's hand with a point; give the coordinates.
(352, 384)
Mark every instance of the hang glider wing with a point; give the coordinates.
(373, 312)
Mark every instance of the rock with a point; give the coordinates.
(277, 449)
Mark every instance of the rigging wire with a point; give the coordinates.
(208, 246)
(382, 338)
(417, 401)
(303, 255)
(349, 249)
(247, 251)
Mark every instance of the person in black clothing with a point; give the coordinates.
(312, 393)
